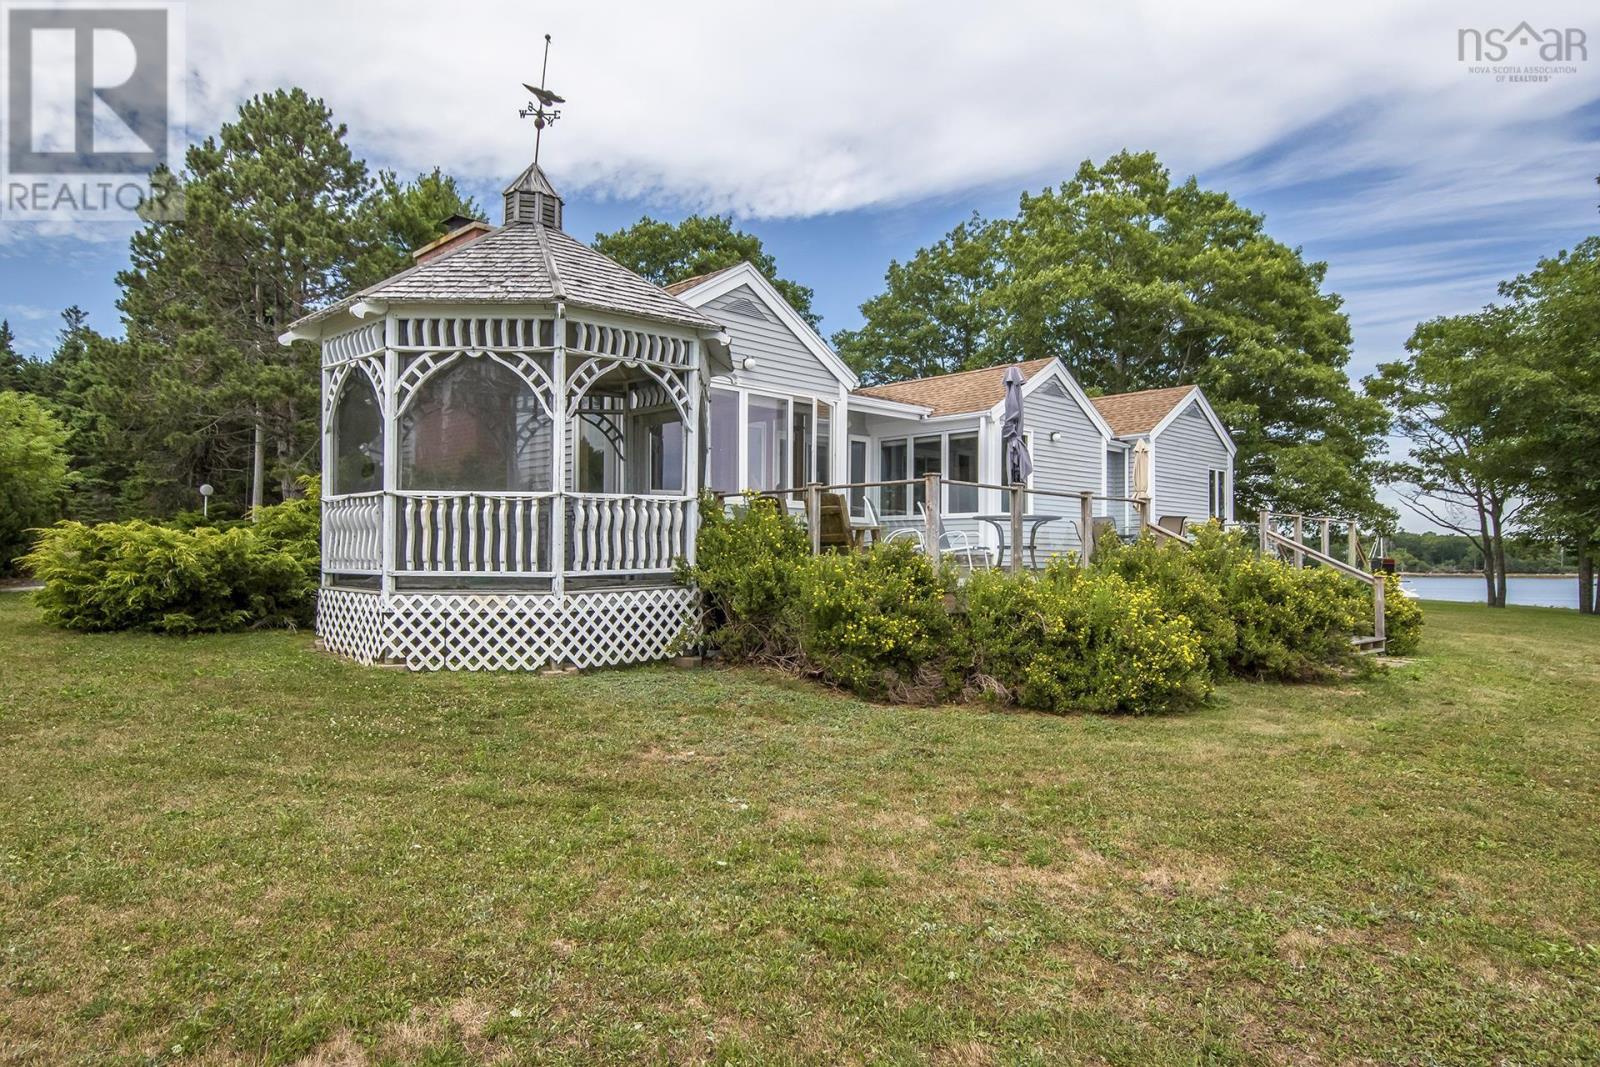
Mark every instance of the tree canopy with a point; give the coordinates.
(1552, 401)
(1446, 399)
(1136, 281)
(279, 218)
(667, 252)
(33, 471)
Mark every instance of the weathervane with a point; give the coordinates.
(543, 106)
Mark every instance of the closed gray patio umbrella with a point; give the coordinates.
(1019, 465)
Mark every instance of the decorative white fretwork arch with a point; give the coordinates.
(584, 378)
(522, 364)
(372, 368)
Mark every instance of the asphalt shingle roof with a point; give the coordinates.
(958, 393)
(683, 285)
(1131, 414)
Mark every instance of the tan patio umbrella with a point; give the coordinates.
(1141, 470)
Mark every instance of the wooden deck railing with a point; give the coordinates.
(1293, 545)
(1016, 496)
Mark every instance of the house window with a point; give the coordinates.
(858, 474)
(963, 467)
(927, 457)
(723, 417)
(1217, 494)
(766, 442)
(785, 442)
(892, 468)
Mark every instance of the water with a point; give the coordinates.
(1555, 591)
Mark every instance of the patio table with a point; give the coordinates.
(1002, 526)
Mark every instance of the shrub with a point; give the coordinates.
(1181, 587)
(33, 472)
(1402, 619)
(1289, 623)
(748, 571)
(877, 623)
(136, 575)
(1075, 640)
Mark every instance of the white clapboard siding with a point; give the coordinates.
(782, 361)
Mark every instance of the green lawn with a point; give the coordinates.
(236, 848)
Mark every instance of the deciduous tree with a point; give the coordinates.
(1138, 282)
(1446, 395)
(33, 471)
(667, 252)
(939, 313)
(1551, 400)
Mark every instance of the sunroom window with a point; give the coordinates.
(723, 420)
(766, 442)
(963, 467)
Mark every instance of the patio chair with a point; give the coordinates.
(1173, 524)
(836, 532)
(953, 543)
(867, 524)
(1104, 527)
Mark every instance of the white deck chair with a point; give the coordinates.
(953, 543)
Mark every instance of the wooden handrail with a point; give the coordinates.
(1327, 561)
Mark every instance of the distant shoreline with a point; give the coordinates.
(1571, 576)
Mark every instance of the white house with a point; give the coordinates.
(516, 430)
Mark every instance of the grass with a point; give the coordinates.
(236, 849)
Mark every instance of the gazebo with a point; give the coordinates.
(511, 452)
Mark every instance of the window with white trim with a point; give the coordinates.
(1217, 493)
(766, 442)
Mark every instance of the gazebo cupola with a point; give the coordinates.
(531, 198)
(511, 443)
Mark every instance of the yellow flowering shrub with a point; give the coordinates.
(1402, 618)
(1290, 623)
(1070, 640)
(1181, 587)
(747, 570)
(877, 623)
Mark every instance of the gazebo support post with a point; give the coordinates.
(558, 454)
(391, 458)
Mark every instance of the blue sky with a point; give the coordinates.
(863, 132)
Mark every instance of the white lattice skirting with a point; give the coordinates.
(506, 632)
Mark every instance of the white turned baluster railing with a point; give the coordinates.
(352, 533)
(442, 533)
(470, 533)
(625, 534)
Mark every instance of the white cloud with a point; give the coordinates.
(773, 110)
